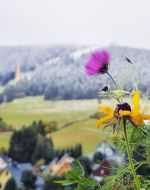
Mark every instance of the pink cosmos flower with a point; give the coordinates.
(98, 63)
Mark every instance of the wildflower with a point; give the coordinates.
(98, 63)
(113, 116)
(136, 115)
(109, 115)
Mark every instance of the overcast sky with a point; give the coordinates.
(102, 22)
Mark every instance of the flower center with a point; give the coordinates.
(104, 68)
(123, 107)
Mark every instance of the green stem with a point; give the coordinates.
(112, 80)
(114, 97)
(115, 86)
(136, 181)
(134, 76)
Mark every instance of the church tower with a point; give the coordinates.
(18, 73)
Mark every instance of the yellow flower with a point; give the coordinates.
(113, 116)
(109, 115)
(136, 113)
(123, 111)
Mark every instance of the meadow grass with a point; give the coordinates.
(24, 111)
(84, 132)
(4, 139)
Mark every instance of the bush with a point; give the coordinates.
(50, 127)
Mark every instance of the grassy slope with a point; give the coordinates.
(24, 111)
(84, 132)
(4, 139)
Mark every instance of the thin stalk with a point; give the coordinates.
(117, 99)
(115, 85)
(112, 80)
(133, 76)
(136, 181)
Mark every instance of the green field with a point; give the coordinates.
(4, 139)
(84, 132)
(24, 111)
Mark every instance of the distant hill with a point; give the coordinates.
(58, 72)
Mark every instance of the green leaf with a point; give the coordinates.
(87, 182)
(65, 182)
(77, 172)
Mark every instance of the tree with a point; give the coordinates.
(10, 185)
(28, 179)
(38, 127)
(51, 92)
(1, 98)
(76, 151)
(22, 144)
(59, 153)
(43, 150)
(9, 93)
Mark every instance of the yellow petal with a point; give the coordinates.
(106, 109)
(146, 117)
(137, 118)
(103, 120)
(124, 113)
(136, 100)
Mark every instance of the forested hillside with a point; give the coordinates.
(58, 72)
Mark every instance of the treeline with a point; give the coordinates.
(31, 144)
(51, 91)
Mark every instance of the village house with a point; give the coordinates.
(110, 158)
(102, 170)
(59, 167)
(5, 174)
(10, 169)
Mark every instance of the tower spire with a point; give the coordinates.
(18, 73)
